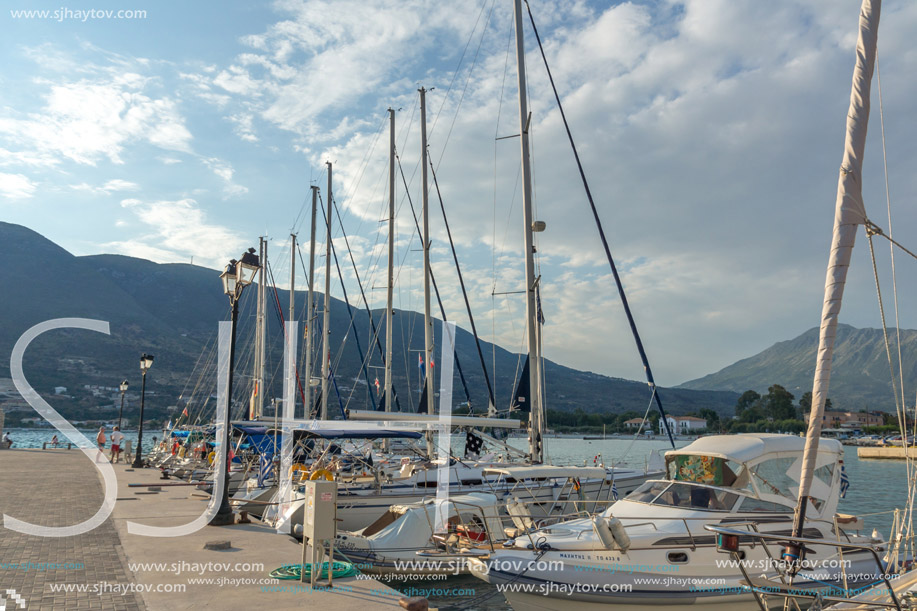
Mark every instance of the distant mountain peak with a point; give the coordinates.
(859, 378)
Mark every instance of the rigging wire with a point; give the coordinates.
(909, 464)
(598, 222)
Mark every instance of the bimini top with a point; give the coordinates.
(299, 434)
(546, 471)
(750, 446)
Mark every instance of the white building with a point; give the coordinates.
(683, 425)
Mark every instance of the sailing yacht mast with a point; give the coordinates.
(427, 319)
(326, 318)
(292, 293)
(292, 274)
(849, 214)
(387, 393)
(310, 311)
(536, 416)
(256, 407)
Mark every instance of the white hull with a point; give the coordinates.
(358, 509)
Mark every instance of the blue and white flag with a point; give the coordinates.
(614, 490)
(845, 481)
(265, 469)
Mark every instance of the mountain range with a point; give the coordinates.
(860, 377)
(172, 311)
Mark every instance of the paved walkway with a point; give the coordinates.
(236, 578)
(58, 488)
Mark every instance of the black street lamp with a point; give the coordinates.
(121, 411)
(236, 276)
(146, 361)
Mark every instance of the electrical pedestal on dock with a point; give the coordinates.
(319, 527)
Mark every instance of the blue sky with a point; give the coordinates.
(711, 133)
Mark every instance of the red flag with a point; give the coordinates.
(184, 412)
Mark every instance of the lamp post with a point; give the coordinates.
(146, 361)
(121, 411)
(236, 276)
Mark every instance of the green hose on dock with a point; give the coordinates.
(294, 571)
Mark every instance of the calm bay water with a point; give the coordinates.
(876, 488)
(34, 438)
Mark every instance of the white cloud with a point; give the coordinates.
(27, 158)
(224, 171)
(96, 116)
(179, 230)
(16, 186)
(244, 126)
(108, 188)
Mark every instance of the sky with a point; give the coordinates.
(710, 132)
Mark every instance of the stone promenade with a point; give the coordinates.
(58, 488)
(119, 570)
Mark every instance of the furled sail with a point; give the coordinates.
(849, 214)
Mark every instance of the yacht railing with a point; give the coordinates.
(762, 588)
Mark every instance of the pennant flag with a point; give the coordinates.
(377, 385)
(540, 313)
(614, 490)
(184, 412)
(845, 481)
(473, 445)
(169, 424)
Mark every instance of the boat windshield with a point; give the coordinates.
(677, 494)
(708, 470)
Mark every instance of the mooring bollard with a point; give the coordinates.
(416, 603)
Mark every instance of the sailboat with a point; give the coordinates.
(739, 486)
(548, 490)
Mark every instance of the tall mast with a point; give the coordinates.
(257, 401)
(427, 319)
(326, 318)
(536, 416)
(849, 214)
(387, 393)
(292, 293)
(292, 274)
(310, 311)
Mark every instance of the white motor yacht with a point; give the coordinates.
(651, 549)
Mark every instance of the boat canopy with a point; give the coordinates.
(750, 447)
(545, 471)
(300, 434)
(409, 527)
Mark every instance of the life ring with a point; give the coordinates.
(296, 467)
(211, 457)
(322, 473)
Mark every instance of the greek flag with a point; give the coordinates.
(614, 490)
(845, 481)
(265, 469)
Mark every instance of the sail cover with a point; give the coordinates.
(849, 213)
